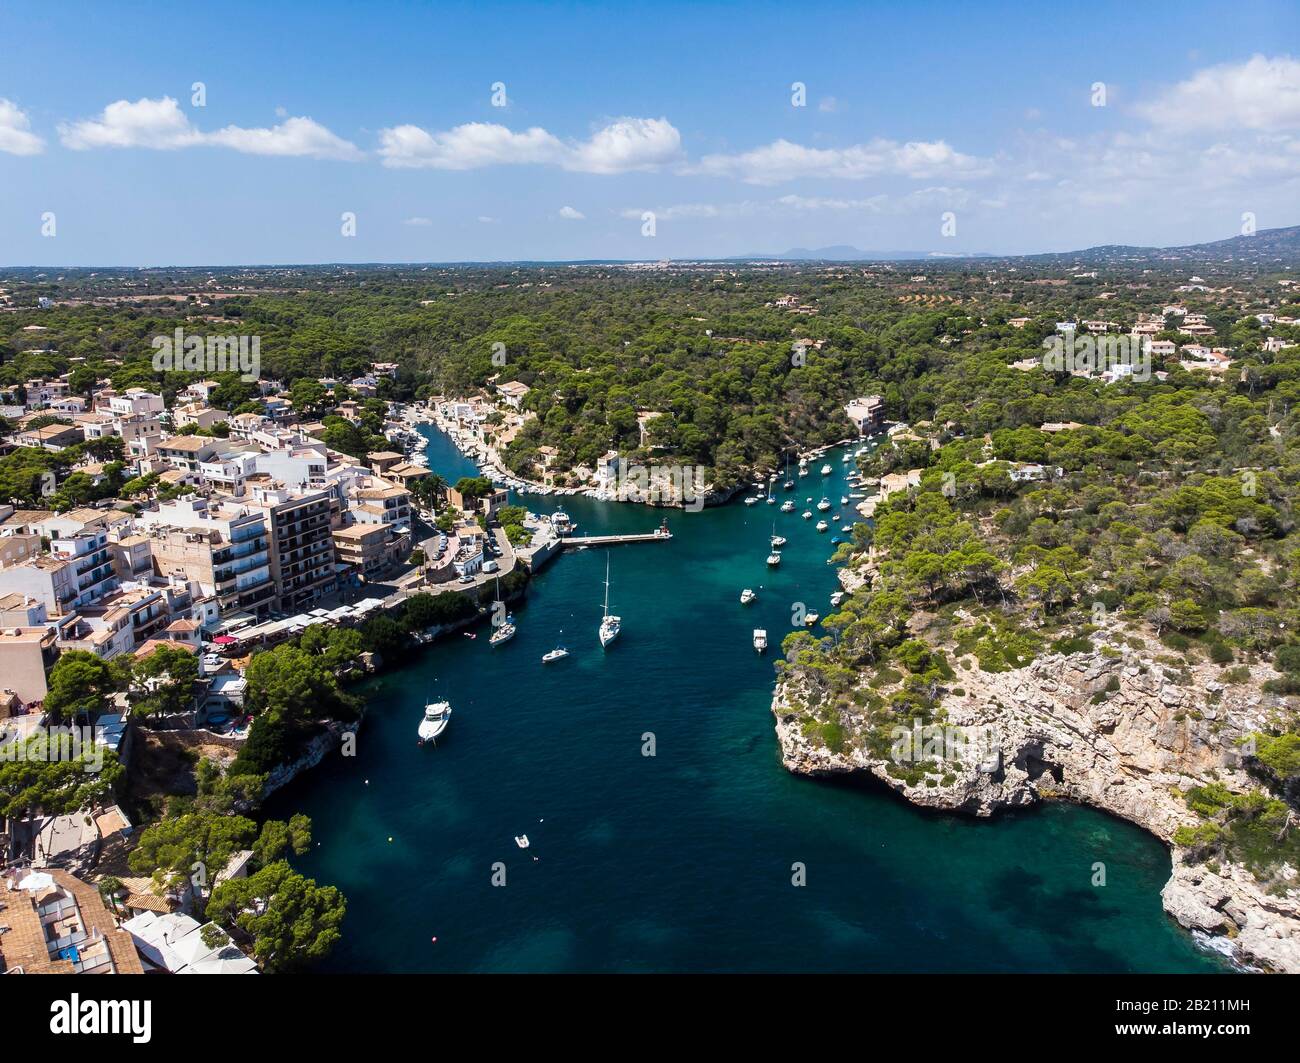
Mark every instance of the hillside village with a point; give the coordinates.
(180, 540)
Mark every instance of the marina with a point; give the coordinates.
(670, 862)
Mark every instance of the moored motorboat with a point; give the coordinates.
(747, 596)
(556, 654)
(822, 525)
(760, 639)
(437, 714)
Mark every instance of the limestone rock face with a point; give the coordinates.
(1118, 733)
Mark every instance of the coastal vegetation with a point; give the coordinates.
(1048, 513)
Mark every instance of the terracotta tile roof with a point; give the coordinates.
(25, 944)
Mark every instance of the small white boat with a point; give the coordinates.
(556, 654)
(846, 528)
(826, 470)
(787, 507)
(437, 714)
(807, 514)
(838, 597)
(521, 840)
(824, 504)
(822, 525)
(747, 596)
(788, 485)
(771, 501)
(504, 633)
(751, 501)
(778, 540)
(844, 500)
(811, 619)
(774, 558)
(760, 639)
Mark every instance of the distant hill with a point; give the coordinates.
(1266, 248)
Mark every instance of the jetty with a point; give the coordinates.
(660, 535)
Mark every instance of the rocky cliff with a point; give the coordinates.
(1116, 732)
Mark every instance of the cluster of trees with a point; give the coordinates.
(282, 917)
(81, 682)
(47, 479)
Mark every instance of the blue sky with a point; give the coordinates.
(384, 110)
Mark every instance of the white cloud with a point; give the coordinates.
(571, 214)
(163, 126)
(487, 220)
(828, 105)
(16, 137)
(144, 124)
(625, 144)
(783, 160)
(466, 147)
(293, 136)
(1260, 95)
(418, 221)
(810, 203)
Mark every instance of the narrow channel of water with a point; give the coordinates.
(682, 861)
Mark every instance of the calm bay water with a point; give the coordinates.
(682, 861)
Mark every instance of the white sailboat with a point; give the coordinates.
(505, 630)
(610, 625)
(437, 714)
(774, 558)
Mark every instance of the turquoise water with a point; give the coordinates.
(682, 861)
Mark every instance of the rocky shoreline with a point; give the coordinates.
(1128, 751)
